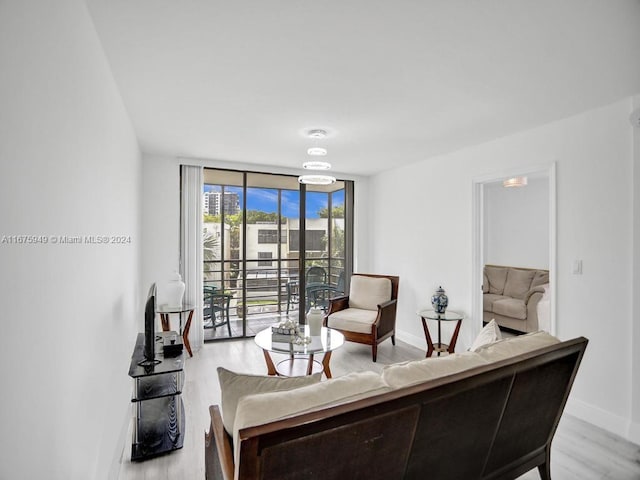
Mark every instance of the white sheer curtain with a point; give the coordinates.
(191, 246)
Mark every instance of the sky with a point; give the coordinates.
(266, 200)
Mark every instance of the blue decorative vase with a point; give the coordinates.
(439, 301)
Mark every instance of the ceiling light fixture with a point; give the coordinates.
(515, 182)
(317, 151)
(317, 133)
(316, 179)
(316, 165)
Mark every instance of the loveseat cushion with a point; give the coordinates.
(510, 347)
(409, 373)
(233, 386)
(497, 278)
(353, 320)
(510, 307)
(367, 293)
(264, 408)
(518, 283)
(488, 299)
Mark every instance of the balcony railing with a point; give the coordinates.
(268, 291)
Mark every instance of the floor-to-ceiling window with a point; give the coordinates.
(272, 248)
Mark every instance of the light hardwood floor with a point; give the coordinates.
(580, 450)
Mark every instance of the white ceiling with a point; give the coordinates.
(393, 82)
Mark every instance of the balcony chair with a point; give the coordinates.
(216, 308)
(368, 314)
(319, 294)
(293, 292)
(314, 276)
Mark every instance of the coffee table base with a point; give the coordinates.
(296, 366)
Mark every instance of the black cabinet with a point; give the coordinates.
(158, 424)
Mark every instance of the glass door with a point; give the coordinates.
(223, 218)
(255, 271)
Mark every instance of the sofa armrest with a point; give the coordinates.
(218, 452)
(532, 311)
(539, 289)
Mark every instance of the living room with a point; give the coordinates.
(73, 164)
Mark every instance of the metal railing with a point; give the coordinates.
(263, 290)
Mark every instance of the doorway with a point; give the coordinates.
(488, 248)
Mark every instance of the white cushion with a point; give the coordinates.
(233, 386)
(489, 334)
(369, 292)
(353, 320)
(510, 347)
(264, 408)
(409, 373)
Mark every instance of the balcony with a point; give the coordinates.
(268, 295)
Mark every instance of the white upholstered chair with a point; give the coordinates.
(368, 314)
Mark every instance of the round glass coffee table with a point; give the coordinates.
(448, 316)
(301, 356)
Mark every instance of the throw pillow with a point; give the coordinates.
(489, 334)
(518, 283)
(234, 386)
(485, 283)
(497, 277)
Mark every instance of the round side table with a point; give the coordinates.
(448, 316)
(166, 310)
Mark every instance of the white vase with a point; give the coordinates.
(314, 320)
(175, 290)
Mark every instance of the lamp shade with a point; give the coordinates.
(316, 165)
(317, 179)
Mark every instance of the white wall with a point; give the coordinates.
(161, 213)
(70, 165)
(517, 224)
(160, 219)
(431, 243)
(635, 337)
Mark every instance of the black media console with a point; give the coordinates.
(158, 423)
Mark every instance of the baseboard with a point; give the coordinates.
(599, 417)
(413, 340)
(634, 433)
